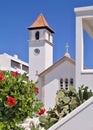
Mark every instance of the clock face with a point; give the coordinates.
(36, 51)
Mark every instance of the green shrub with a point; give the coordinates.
(66, 101)
(18, 100)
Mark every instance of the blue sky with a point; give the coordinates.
(17, 15)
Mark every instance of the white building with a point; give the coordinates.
(12, 63)
(40, 47)
(64, 72)
(51, 77)
(82, 117)
(59, 75)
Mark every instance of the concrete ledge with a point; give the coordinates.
(78, 111)
(86, 8)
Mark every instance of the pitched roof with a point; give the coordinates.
(62, 60)
(40, 22)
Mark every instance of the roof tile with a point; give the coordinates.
(40, 22)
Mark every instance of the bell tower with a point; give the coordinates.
(40, 47)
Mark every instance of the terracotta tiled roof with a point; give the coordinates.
(40, 22)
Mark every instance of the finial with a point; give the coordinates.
(67, 47)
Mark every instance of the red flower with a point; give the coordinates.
(1, 76)
(42, 111)
(36, 90)
(15, 74)
(11, 101)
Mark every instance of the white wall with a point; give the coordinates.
(38, 63)
(79, 119)
(5, 61)
(51, 82)
(83, 76)
(48, 55)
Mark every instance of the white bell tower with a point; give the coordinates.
(40, 47)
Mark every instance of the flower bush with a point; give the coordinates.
(42, 111)
(18, 100)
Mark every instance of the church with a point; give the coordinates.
(62, 74)
(51, 77)
(65, 72)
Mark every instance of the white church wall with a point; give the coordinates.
(40, 85)
(37, 62)
(44, 35)
(79, 119)
(48, 55)
(50, 93)
(32, 34)
(52, 82)
(48, 36)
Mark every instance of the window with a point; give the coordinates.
(71, 81)
(37, 35)
(25, 68)
(66, 83)
(61, 83)
(15, 64)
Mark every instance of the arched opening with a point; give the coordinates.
(37, 35)
(71, 82)
(66, 83)
(61, 83)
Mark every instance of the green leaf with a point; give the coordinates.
(27, 104)
(60, 94)
(53, 120)
(66, 100)
(80, 95)
(43, 119)
(72, 89)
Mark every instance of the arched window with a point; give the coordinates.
(66, 83)
(37, 35)
(71, 82)
(61, 83)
